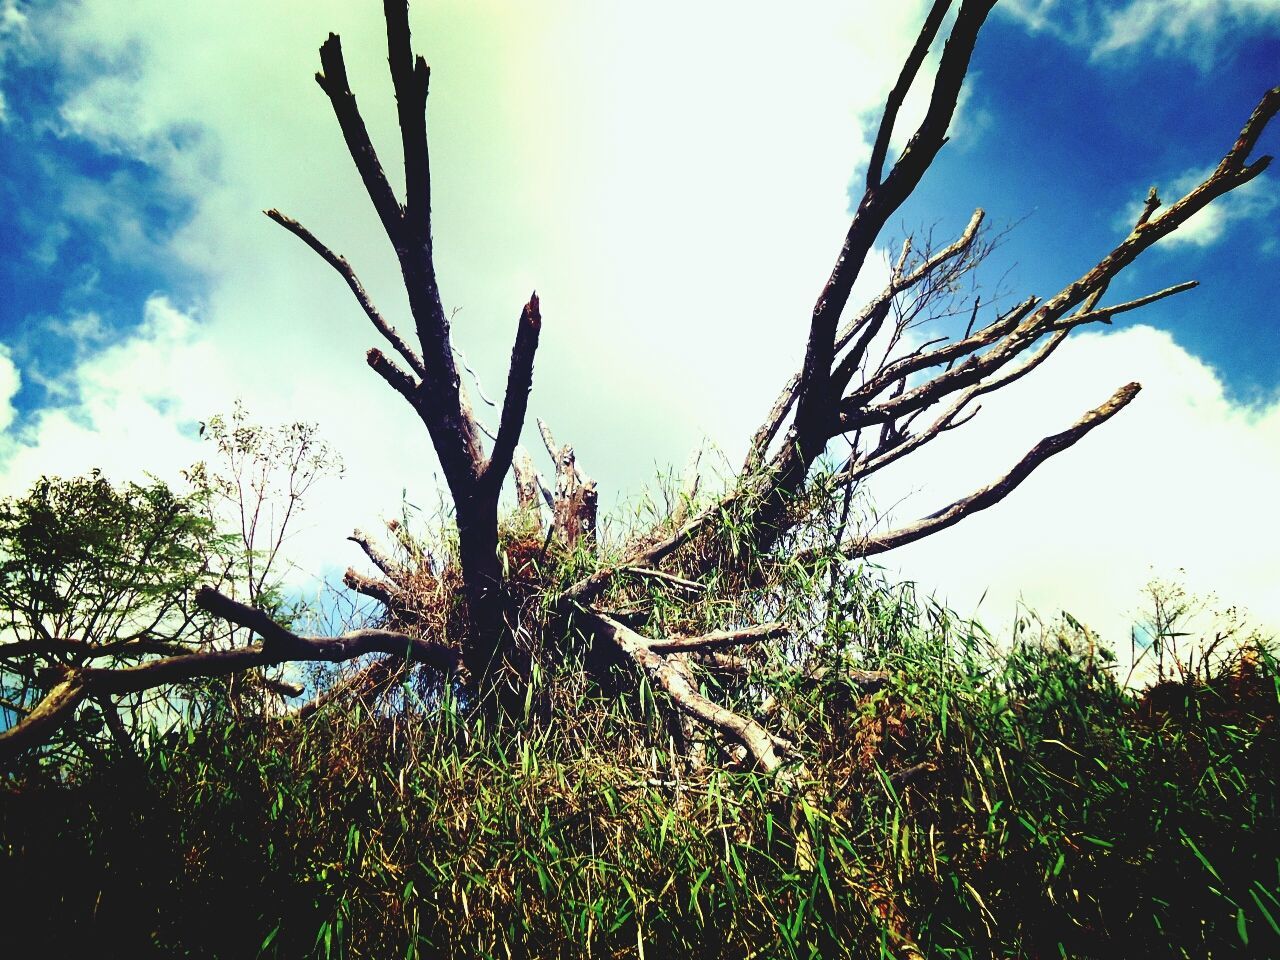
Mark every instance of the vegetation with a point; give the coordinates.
(716, 732)
(995, 804)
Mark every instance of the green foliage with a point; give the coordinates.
(95, 576)
(1007, 804)
(90, 573)
(84, 559)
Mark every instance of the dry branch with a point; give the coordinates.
(340, 264)
(389, 567)
(279, 645)
(764, 748)
(997, 491)
(57, 707)
(519, 382)
(384, 591)
(720, 639)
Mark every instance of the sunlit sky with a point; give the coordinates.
(673, 179)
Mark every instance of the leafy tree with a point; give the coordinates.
(98, 585)
(93, 578)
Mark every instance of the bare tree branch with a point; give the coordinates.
(380, 560)
(333, 81)
(720, 639)
(871, 319)
(933, 21)
(691, 585)
(384, 591)
(519, 381)
(995, 492)
(57, 707)
(411, 78)
(813, 412)
(278, 646)
(763, 747)
(348, 274)
(398, 380)
(759, 445)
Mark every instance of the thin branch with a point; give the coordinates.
(900, 283)
(688, 489)
(928, 32)
(333, 81)
(386, 593)
(691, 585)
(379, 559)
(286, 645)
(721, 639)
(345, 270)
(1004, 327)
(1104, 314)
(763, 747)
(995, 492)
(548, 440)
(958, 414)
(475, 378)
(399, 381)
(759, 445)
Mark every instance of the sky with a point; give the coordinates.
(674, 180)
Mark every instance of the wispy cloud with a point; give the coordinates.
(1256, 201)
(10, 383)
(15, 34)
(1190, 28)
(1181, 480)
(678, 223)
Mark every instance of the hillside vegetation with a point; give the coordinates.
(996, 804)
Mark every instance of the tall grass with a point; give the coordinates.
(1015, 803)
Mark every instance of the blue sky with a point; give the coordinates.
(1069, 143)
(141, 290)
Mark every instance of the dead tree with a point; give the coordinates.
(857, 381)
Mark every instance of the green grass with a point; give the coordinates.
(1015, 804)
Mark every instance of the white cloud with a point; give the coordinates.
(1256, 200)
(10, 384)
(126, 410)
(1192, 28)
(1184, 478)
(678, 221)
